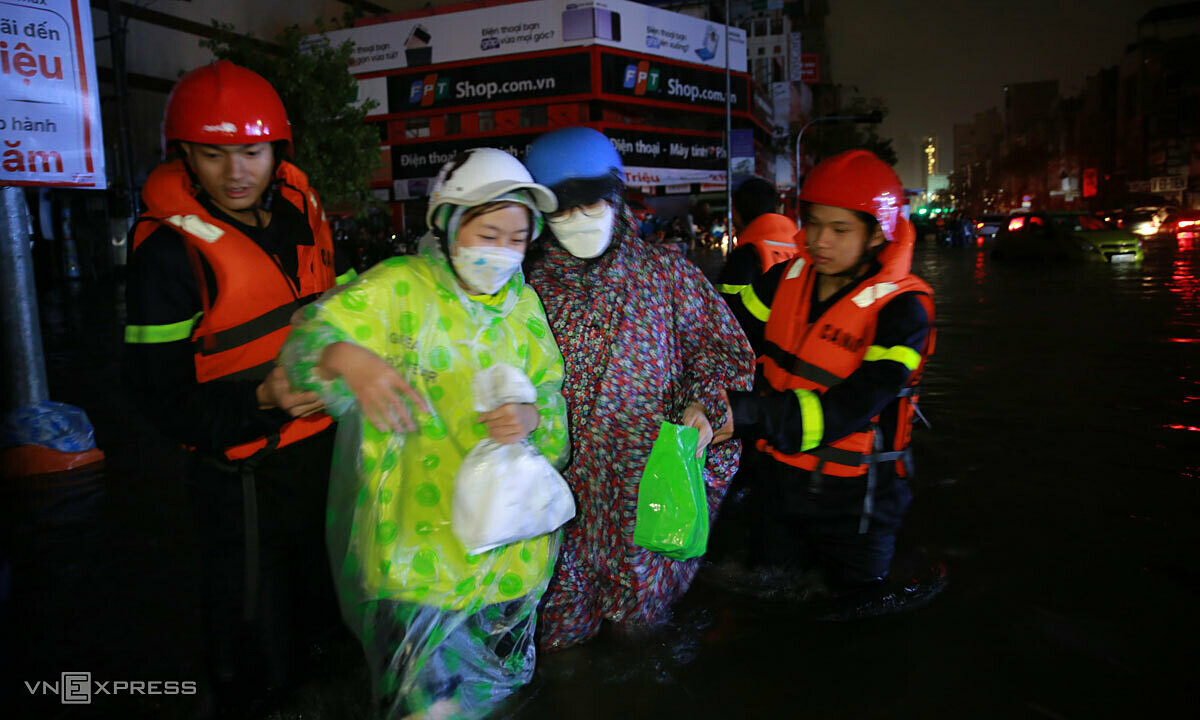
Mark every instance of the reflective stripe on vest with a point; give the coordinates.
(773, 238)
(902, 354)
(755, 306)
(813, 418)
(150, 334)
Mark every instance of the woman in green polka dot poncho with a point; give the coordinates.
(446, 633)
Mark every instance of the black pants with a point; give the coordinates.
(806, 522)
(254, 640)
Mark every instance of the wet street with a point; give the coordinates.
(1059, 488)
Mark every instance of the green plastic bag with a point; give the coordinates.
(672, 509)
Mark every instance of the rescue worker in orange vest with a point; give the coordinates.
(764, 237)
(841, 333)
(233, 241)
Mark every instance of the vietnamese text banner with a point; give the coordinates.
(420, 160)
(667, 150)
(651, 176)
(540, 25)
(667, 82)
(49, 110)
(489, 83)
(650, 158)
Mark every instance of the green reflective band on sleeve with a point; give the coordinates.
(731, 289)
(813, 417)
(902, 354)
(753, 304)
(145, 334)
(346, 277)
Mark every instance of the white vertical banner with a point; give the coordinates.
(795, 51)
(49, 107)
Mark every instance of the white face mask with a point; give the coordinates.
(585, 237)
(486, 269)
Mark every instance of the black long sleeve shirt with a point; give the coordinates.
(742, 268)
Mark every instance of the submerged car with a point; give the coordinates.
(1143, 221)
(1181, 224)
(987, 226)
(1065, 236)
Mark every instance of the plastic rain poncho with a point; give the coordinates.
(436, 623)
(644, 334)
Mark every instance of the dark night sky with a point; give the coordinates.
(935, 64)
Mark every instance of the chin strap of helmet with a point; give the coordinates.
(267, 199)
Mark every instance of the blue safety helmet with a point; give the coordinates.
(578, 163)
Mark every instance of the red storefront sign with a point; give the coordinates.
(810, 68)
(1089, 182)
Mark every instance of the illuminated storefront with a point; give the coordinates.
(652, 81)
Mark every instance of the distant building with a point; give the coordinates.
(1130, 137)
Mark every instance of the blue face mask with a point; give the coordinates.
(486, 269)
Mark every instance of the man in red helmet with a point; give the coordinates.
(233, 240)
(841, 333)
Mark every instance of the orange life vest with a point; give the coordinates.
(816, 356)
(773, 237)
(240, 333)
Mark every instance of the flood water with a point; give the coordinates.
(1058, 488)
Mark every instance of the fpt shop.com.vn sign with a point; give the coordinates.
(50, 130)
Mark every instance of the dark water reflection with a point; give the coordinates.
(1058, 487)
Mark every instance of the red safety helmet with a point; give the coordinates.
(225, 104)
(857, 180)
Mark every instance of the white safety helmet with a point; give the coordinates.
(479, 176)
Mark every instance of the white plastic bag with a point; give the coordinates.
(505, 493)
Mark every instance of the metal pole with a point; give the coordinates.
(728, 143)
(873, 117)
(26, 381)
(798, 136)
(116, 39)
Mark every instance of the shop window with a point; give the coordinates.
(453, 124)
(777, 25)
(416, 128)
(533, 116)
(508, 119)
(565, 114)
(762, 71)
(395, 131)
(487, 120)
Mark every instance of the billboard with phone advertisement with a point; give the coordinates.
(539, 25)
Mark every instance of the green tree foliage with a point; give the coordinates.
(337, 150)
(826, 139)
